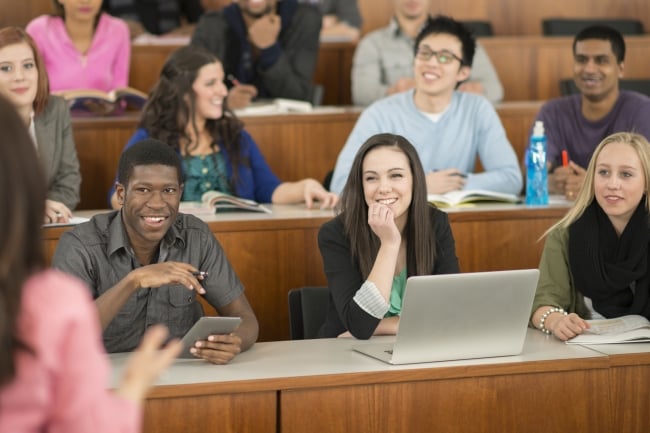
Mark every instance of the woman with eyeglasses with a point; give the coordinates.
(449, 128)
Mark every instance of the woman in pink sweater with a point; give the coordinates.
(53, 368)
(83, 48)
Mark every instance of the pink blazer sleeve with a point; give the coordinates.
(59, 322)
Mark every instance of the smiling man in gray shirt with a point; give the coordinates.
(147, 263)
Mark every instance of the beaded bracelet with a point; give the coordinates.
(548, 313)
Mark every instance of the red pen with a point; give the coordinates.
(565, 158)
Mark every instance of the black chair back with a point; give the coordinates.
(307, 311)
(479, 28)
(568, 86)
(570, 27)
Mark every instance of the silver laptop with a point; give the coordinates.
(460, 316)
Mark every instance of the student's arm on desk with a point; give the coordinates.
(387, 326)
(308, 191)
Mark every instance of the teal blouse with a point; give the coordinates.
(397, 294)
(204, 173)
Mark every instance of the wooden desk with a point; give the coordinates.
(324, 386)
(332, 69)
(275, 253)
(629, 378)
(295, 145)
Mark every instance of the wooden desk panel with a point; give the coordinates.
(99, 143)
(511, 403)
(226, 413)
(491, 241)
(629, 376)
(517, 118)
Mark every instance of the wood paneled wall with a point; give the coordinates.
(508, 17)
(21, 12)
(514, 17)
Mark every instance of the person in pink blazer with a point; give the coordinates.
(53, 368)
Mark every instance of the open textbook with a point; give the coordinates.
(73, 222)
(624, 329)
(216, 201)
(102, 103)
(470, 196)
(275, 106)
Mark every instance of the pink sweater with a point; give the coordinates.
(104, 67)
(62, 386)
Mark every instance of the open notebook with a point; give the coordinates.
(460, 316)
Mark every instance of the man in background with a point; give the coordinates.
(383, 60)
(449, 129)
(268, 48)
(341, 19)
(575, 124)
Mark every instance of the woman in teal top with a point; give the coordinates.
(188, 110)
(385, 232)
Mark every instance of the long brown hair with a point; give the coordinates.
(22, 194)
(16, 35)
(172, 105)
(418, 232)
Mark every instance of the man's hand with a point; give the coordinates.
(472, 87)
(574, 181)
(264, 31)
(217, 349)
(314, 191)
(56, 212)
(241, 95)
(161, 274)
(442, 181)
(557, 179)
(401, 85)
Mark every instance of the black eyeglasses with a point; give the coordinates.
(443, 57)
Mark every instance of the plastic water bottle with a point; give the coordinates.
(536, 170)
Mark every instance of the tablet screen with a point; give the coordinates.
(206, 326)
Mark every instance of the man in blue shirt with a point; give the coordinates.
(448, 128)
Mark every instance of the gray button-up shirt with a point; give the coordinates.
(99, 253)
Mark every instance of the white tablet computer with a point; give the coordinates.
(206, 326)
